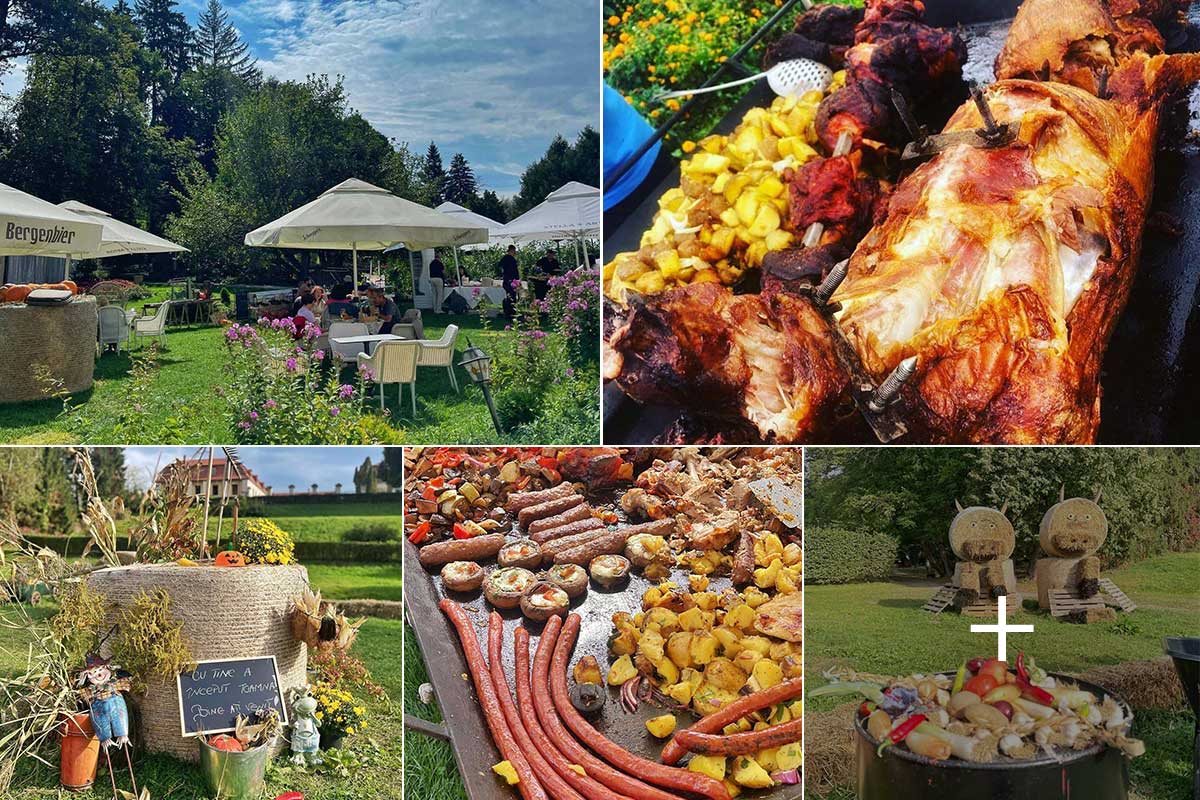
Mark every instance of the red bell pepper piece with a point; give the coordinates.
(1022, 672)
(899, 733)
(436, 482)
(461, 532)
(547, 462)
(429, 494)
(420, 533)
(1035, 693)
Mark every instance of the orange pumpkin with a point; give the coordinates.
(226, 743)
(231, 558)
(17, 294)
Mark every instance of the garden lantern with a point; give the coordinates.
(478, 365)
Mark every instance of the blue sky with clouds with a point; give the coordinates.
(275, 466)
(492, 79)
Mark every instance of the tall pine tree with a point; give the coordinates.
(218, 45)
(167, 36)
(461, 187)
(490, 205)
(433, 173)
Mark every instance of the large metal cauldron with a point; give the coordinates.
(1098, 773)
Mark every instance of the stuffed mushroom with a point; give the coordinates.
(571, 578)
(462, 576)
(543, 601)
(521, 553)
(504, 587)
(609, 570)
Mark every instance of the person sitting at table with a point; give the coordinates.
(340, 306)
(384, 309)
(308, 310)
(437, 281)
(305, 287)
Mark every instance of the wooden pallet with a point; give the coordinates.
(941, 600)
(1068, 601)
(990, 608)
(1117, 596)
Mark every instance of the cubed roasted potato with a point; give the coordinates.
(747, 772)
(712, 766)
(621, 671)
(724, 674)
(661, 727)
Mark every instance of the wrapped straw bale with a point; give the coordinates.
(61, 339)
(226, 613)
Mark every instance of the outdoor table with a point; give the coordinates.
(474, 294)
(368, 340)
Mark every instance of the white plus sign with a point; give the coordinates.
(1002, 628)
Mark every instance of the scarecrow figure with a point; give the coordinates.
(1071, 534)
(101, 687)
(306, 734)
(984, 539)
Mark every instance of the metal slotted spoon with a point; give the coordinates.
(787, 79)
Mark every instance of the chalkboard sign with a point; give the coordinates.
(213, 694)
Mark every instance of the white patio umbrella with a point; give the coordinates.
(467, 215)
(120, 238)
(354, 215)
(571, 211)
(30, 226)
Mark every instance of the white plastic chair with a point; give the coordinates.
(114, 328)
(394, 362)
(155, 325)
(440, 353)
(347, 352)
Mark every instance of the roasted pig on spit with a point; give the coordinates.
(1001, 270)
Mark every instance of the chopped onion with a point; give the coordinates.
(788, 777)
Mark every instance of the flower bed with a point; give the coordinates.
(652, 47)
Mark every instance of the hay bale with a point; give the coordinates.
(1010, 575)
(226, 613)
(62, 339)
(1152, 683)
(829, 749)
(1055, 573)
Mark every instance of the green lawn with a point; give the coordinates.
(190, 371)
(357, 581)
(429, 769)
(376, 773)
(326, 522)
(880, 628)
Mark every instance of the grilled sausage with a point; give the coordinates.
(588, 787)
(548, 508)
(607, 543)
(680, 780)
(732, 712)
(614, 779)
(580, 532)
(737, 744)
(658, 527)
(474, 549)
(520, 500)
(546, 524)
(570, 529)
(528, 786)
(743, 560)
(556, 786)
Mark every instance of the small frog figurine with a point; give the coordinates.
(306, 736)
(100, 687)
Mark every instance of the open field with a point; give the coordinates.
(880, 628)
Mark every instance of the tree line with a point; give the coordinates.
(174, 128)
(1151, 496)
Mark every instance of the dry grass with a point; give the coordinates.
(1152, 683)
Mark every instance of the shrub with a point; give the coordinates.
(373, 532)
(149, 641)
(836, 555)
(573, 303)
(263, 542)
(283, 392)
(650, 48)
(337, 669)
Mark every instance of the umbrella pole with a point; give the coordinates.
(457, 271)
(354, 257)
(67, 268)
(575, 242)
